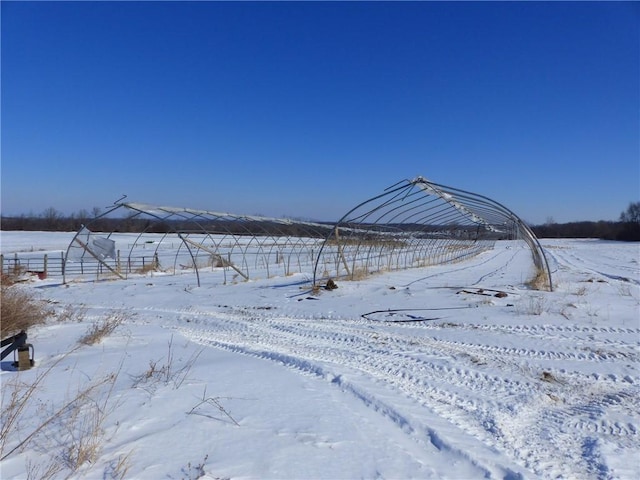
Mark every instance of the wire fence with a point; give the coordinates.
(52, 265)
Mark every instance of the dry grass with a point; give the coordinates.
(540, 281)
(72, 314)
(536, 306)
(118, 469)
(20, 310)
(72, 430)
(102, 329)
(149, 267)
(381, 242)
(15, 399)
(166, 373)
(359, 273)
(13, 275)
(41, 471)
(82, 423)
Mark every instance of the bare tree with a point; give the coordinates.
(52, 218)
(631, 214)
(83, 215)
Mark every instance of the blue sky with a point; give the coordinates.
(307, 109)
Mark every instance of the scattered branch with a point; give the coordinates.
(214, 402)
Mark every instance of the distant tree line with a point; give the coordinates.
(52, 220)
(627, 228)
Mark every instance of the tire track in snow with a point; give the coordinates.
(428, 372)
(492, 392)
(502, 268)
(321, 366)
(487, 258)
(569, 261)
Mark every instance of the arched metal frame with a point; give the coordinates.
(411, 224)
(198, 239)
(417, 223)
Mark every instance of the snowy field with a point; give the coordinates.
(421, 373)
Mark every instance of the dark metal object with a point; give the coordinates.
(18, 343)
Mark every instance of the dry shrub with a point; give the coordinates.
(14, 400)
(166, 373)
(102, 329)
(536, 306)
(149, 267)
(43, 471)
(82, 429)
(16, 396)
(359, 273)
(219, 262)
(117, 469)
(540, 281)
(13, 275)
(20, 310)
(72, 314)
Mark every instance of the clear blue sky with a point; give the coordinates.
(307, 109)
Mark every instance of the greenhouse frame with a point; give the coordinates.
(414, 223)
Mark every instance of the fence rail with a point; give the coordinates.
(51, 265)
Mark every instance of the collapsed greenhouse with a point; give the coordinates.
(414, 223)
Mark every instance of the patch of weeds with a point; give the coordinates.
(194, 472)
(535, 306)
(540, 280)
(117, 469)
(102, 329)
(13, 275)
(152, 266)
(79, 432)
(72, 431)
(16, 397)
(72, 314)
(20, 310)
(359, 273)
(166, 373)
(581, 291)
(42, 471)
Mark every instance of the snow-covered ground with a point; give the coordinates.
(421, 373)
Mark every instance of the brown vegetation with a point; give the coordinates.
(101, 329)
(19, 310)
